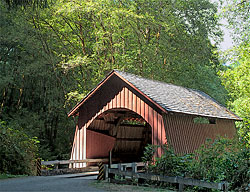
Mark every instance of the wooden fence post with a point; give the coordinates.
(225, 187)
(124, 168)
(181, 187)
(119, 170)
(106, 172)
(134, 169)
(110, 158)
(56, 165)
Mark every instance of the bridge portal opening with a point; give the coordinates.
(123, 131)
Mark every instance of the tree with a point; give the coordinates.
(237, 82)
(237, 14)
(54, 52)
(162, 40)
(236, 79)
(32, 89)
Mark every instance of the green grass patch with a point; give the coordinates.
(128, 188)
(7, 176)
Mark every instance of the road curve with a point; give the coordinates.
(76, 182)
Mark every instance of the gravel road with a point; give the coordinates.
(76, 182)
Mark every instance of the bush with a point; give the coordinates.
(17, 151)
(221, 160)
(169, 163)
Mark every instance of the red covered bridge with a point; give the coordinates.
(126, 112)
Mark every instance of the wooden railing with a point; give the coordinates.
(121, 171)
(56, 163)
(53, 168)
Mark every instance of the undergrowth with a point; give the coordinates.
(216, 161)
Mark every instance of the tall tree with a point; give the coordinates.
(32, 88)
(237, 82)
(236, 79)
(164, 40)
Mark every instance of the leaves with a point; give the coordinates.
(237, 82)
(17, 151)
(32, 88)
(162, 40)
(53, 55)
(216, 161)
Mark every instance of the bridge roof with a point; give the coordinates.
(169, 97)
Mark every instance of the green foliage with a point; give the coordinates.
(237, 14)
(18, 152)
(163, 40)
(221, 160)
(236, 81)
(6, 176)
(237, 77)
(148, 154)
(171, 164)
(32, 89)
(201, 120)
(54, 52)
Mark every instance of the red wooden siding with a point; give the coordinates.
(128, 100)
(186, 136)
(98, 140)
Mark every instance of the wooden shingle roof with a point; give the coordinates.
(172, 98)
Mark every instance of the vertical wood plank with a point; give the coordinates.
(76, 148)
(130, 100)
(142, 105)
(84, 144)
(110, 105)
(151, 122)
(182, 137)
(74, 144)
(155, 124)
(165, 129)
(81, 146)
(159, 133)
(134, 102)
(146, 113)
(122, 98)
(126, 97)
(138, 105)
(118, 105)
(115, 102)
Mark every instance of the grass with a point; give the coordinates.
(7, 176)
(128, 188)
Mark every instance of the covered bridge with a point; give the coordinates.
(126, 112)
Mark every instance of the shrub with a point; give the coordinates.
(169, 163)
(215, 161)
(17, 151)
(223, 160)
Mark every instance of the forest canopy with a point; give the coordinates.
(52, 53)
